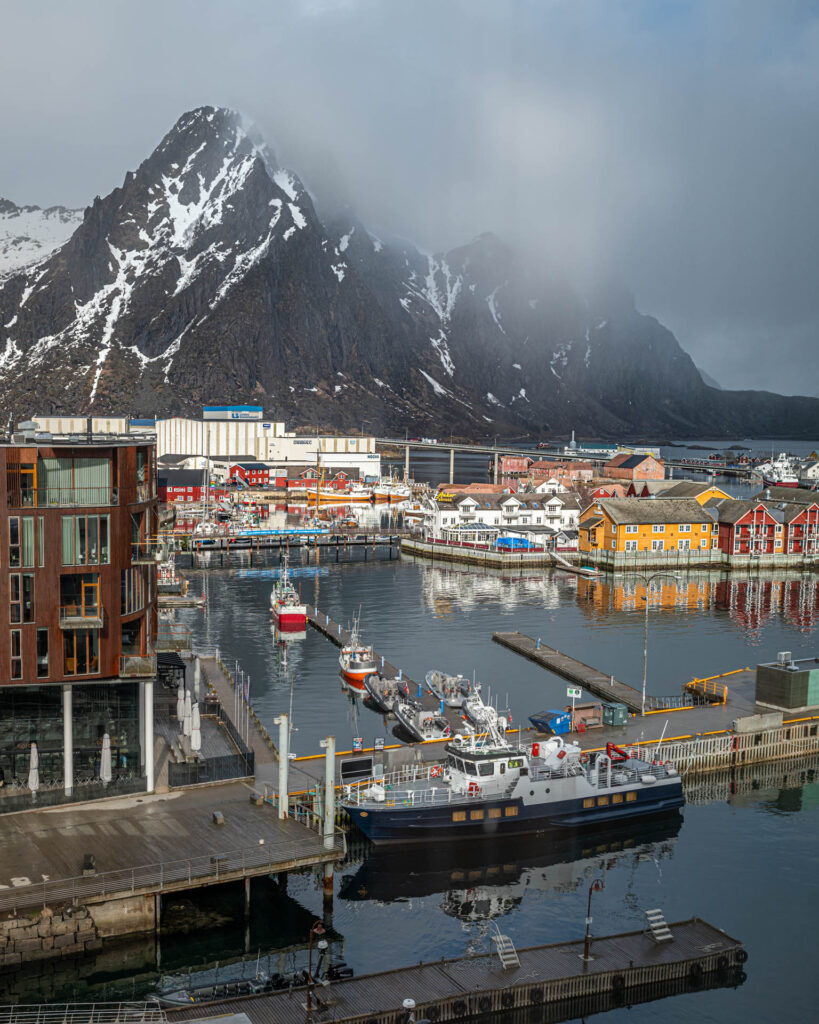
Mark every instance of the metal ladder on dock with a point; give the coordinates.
(506, 950)
(657, 927)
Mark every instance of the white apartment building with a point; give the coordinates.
(533, 516)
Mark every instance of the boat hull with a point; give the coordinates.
(293, 620)
(394, 825)
(767, 482)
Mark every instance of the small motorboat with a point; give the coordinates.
(484, 717)
(421, 723)
(452, 690)
(382, 693)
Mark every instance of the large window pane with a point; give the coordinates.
(105, 554)
(93, 540)
(68, 540)
(28, 542)
(79, 540)
(42, 653)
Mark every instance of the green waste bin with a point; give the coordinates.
(615, 714)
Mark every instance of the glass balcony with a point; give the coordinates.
(137, 666)
(173, 638)
(63, 497)
(73, 616)
(145, 553)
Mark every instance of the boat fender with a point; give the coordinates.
(433, 1013)
(484, 1004)
(722, 963)
(459, 1008)
(507, 999)
(618, 982)
(647, 780)
(536, 995)
(695, 972)
(741, 956)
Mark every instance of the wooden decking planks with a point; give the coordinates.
(591, 679)
(454, 989)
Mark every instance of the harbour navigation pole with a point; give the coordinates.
(329, 828)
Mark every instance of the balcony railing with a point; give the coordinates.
(137, 666)
(145, 553)
(73, 616)
(173, 638)
(63, 497)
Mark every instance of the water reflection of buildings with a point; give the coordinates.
(446, 589)
(751, 602)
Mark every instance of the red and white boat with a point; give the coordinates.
(779, 472)
(357, 661)
(289, 614)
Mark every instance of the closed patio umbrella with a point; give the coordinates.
(187, 715)
(180, 702)
(105, 759)
(34, 769)
(196, 734)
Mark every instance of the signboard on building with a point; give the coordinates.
(232, 412)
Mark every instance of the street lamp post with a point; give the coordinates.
(597, 885)
(647, 580)
(317, 928)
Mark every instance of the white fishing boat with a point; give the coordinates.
(357, 660)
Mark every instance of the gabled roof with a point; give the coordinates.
(626, 461)
(683, 488)
(731, 510)
(801, 495)
(648, 511)
(181, 478)
(251, 465)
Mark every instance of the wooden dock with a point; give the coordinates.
(599, 683)
(219, 679)
(336, 540)
(622, 968)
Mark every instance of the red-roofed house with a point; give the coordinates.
(634, 467)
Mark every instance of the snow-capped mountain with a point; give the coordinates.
(27, 233)
(209, 277)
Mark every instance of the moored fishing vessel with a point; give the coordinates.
(779, 472)
(357, 660)
(289, 614)
(382, 693)
(487, 787)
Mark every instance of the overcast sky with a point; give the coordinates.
(675, 142)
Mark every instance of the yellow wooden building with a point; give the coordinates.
(700, 492)
(647, 524)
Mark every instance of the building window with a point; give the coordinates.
(27, 542)
(617, 798)
(715, 543)
(15, 607)
(494, 812)
(80, 594)
(602, 801)
(42, 653)
(631, 545)
(81, 653)
(16, 654)
(631, 529)
(28, 597)
(588, 802)
(476, 815)
(132, 591)
(41, 541)
(703, 543)
(658, 528)
(685, 528)
(683, 545)
(510, 812)
(14, 542)
(459, 815)
(631, 797)
(85, 540)
(657, 545)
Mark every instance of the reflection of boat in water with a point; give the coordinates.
(357, 660)
(486, 787)
(450, 689)
(420, 723)
(477, 879)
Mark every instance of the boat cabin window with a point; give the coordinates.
(470, 768)
(502, 767)
(486, 768)
(516, 762)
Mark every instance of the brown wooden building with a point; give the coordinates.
(78, 527)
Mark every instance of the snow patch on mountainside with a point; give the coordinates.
(493, 309)
(441, 347)
(29, 234)
(439, 389)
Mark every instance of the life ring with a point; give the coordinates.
(722, 963)
(459, 1008)
(536, 995)
(507, 999)
(618, 982)
(473, 789)
(741, 956)
(484, 1004)
(433, 1012)
(695, 974)
(436, 772)
(584, 758)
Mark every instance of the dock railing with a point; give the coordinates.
(83, 1013)
(165, 876)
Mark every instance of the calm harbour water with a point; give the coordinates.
(744, 862)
